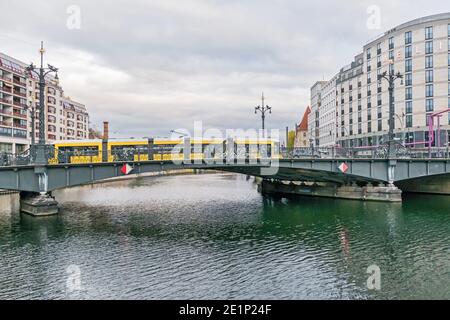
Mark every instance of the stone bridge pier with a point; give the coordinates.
(39, 203)
(368, 192)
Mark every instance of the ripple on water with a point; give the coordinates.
(214, 236)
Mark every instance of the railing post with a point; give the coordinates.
(230, 150)
(187, 151)
(151, 148)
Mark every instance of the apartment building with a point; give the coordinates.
(301, 131)
(326, 115)
(314, 115)
(420, 51)
(19, 101)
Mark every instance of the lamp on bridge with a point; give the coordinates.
(263, 108)
(390, 78)
(41, 72)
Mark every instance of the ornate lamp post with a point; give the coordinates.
(263, 109)
(41, 73)
(391, 77)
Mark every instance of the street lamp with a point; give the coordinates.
(41, 73)
(263, 109)
(391, 77)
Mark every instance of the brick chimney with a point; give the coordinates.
(105, 130)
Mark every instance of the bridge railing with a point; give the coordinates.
(378, 152)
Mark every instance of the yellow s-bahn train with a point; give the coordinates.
(93, 151)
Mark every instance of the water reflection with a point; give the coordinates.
(214, 236)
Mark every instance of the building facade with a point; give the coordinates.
(19, 101)
(420, 51)
(301, 131)
(313, 117)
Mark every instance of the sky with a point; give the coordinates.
(152, 66)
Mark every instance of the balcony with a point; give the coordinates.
(5, 124)
(18, 104)
(20, 115)
(3, 100)
(51, 136)
(20, 83)
(8, 113)
(5, 79)
(20, 94)
(20, 126)
(6, 89)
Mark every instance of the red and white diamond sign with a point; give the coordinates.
(343, 167)
(126, 169)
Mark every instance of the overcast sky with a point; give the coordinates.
(156, 65)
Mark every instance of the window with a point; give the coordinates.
(428, 115)
(408, 93)
(428, 33)
(429, 90)
(380, 125)
(428, 76)
(429, 62)
(379, 48)
(409, 121)
(391, 69)
(408, 79)
(428, 47)
(391, 55)
(379, 101)
(408, 52)
(408, 65)
(369, 55)
(408, 37)
(391, 43)
(429, 105)
(448, 30)
(408, 107)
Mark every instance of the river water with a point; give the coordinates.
(214, 236)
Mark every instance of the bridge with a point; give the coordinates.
(351, 175)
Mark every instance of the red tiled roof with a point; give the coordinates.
(303, 126)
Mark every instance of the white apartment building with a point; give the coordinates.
(314, 115)
(322, 119)
(327, 115)
(420, 51)
(19, 99)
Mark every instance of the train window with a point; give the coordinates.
(138, 149)
(167, 148)
(80, 150)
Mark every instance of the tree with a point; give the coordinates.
(291, 139)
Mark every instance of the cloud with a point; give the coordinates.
(152, 66)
